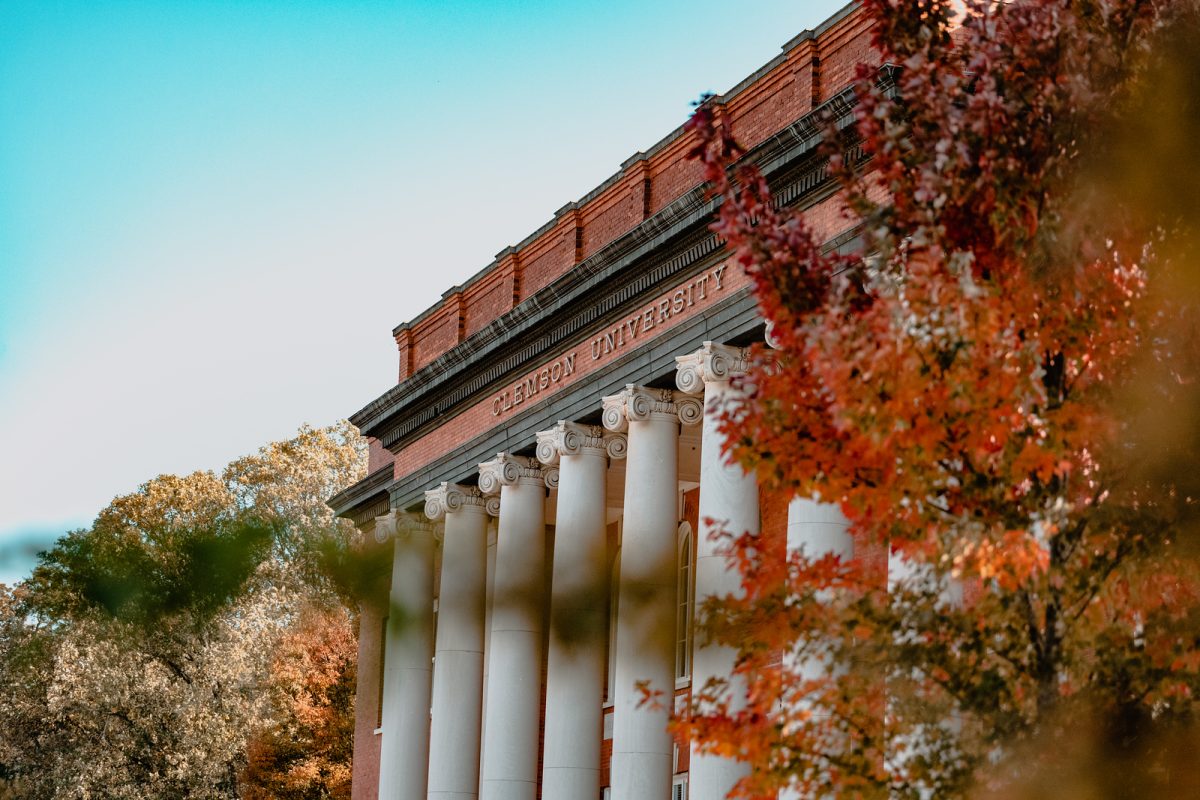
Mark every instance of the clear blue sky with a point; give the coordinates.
(213, 213)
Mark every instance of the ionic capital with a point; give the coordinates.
(385, 526)
(640, 403)
(451, 497)
(402, 525)
(510, 470)
(570, 438)
(770, 337)
(712, 363)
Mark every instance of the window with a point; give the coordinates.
(683, 605)
(679, 786)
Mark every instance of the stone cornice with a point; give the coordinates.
(661, 249)
(355, 497)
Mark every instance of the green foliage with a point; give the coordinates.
(198, 571)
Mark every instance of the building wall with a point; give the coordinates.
(811, 69)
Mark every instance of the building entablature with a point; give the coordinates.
(667, 246)
(366, 499)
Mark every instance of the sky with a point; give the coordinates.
(212, 214)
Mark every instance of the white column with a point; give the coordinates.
(510, 734)
(728, 502)
(408, 658)
(816, 529)
(458, 667)
(575, 662)
(641, 757)
(487, 624)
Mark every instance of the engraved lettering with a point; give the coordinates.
(625, 333)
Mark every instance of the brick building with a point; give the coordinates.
(543, 467)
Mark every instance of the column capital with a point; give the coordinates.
(385, 526)
(639, 403)
(451, 497)
(510, 470)
(769, 336)
(712, 363)
(402, 525)
(571, 438)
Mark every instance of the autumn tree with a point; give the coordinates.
(140, 653)
(305, 752)
(971, 388)
(289, 481)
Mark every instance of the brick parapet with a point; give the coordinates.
(812, 68)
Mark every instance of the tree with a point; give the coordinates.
(289, 481)
(306, 750)
(140, 652)
(960, 388)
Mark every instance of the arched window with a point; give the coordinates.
(683, 605)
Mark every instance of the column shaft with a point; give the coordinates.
(408, 667)
(510, 735)
(575, 662)
(728, 502)
(818, 529)
(458, 668)
(641, 757)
